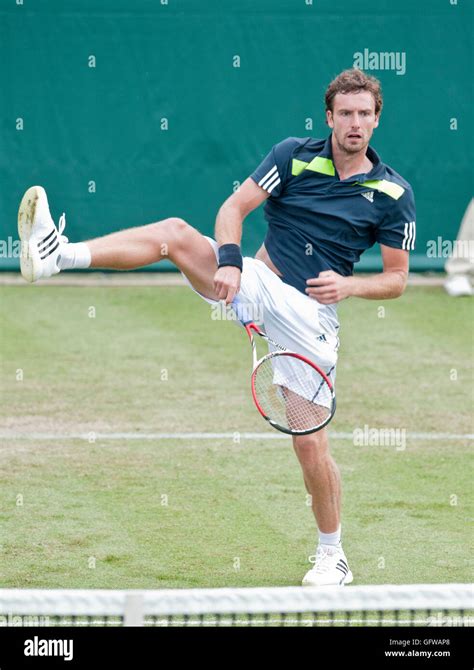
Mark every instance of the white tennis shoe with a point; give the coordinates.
(330, 567)
(41, 241)
(458, 285)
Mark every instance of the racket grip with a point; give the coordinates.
(241, 311)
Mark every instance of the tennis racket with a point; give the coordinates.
(290, 391)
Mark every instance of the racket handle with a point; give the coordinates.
(242, 312)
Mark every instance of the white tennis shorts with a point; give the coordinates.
(292, 319)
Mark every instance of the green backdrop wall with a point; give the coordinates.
(129, 111)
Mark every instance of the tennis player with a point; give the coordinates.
(327, 201)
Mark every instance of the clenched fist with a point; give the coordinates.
(329, 287)
(227, 283)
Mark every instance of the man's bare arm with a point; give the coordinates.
(234, 210)
(331, 287)
(229, 231)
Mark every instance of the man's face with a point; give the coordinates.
(352, 120)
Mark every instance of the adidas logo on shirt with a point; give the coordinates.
(369, 196)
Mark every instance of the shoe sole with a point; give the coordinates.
(30, 262)
(348, 579)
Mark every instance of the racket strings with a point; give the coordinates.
(292, 393)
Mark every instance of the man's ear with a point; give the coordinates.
(377, 119)
(329, 119)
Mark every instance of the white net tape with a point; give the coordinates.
(134, 606)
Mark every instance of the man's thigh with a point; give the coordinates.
(197, 260)
(290, 318)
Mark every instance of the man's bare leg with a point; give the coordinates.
(171, 238)
(323, 483)
(322, 478)
(45, 251)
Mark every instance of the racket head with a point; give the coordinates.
(292, 393)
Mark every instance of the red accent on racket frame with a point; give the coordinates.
(315, 367)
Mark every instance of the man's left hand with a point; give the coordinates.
(329, 287)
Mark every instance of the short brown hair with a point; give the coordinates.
(354, 81)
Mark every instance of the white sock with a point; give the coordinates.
(74, 256)
(330, 538)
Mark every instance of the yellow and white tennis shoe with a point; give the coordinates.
(330, 567)
(41, 241)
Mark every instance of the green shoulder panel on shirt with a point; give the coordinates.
(384, 186)
(326, 166)
(323, 165)
(297, 167)
(318, 164)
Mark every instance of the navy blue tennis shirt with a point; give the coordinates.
(317, 221)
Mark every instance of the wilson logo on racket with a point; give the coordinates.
(290, 391)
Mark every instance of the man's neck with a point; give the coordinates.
(348, 164)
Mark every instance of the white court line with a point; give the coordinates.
(172, 278)
(93, 436)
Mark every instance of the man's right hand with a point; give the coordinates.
(227, 283)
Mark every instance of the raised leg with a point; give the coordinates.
(171, 238)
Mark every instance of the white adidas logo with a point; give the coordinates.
(369, 196)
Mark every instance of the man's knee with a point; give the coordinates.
(172, 232)
(311, 448)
